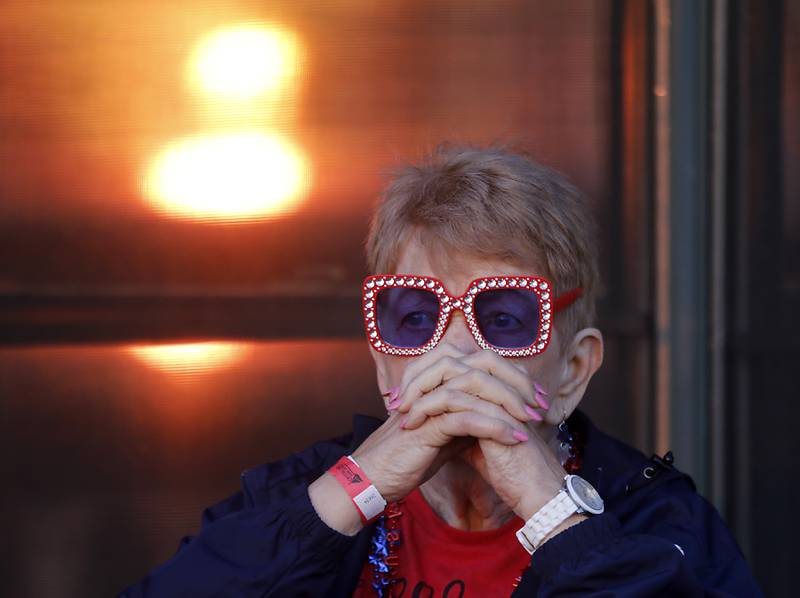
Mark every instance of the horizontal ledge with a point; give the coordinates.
(108, 319)
(74, 318)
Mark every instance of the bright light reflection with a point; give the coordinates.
(228, 177)
(191, 358)
(244, 61)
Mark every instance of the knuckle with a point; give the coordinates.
(449, 361)
(412, 388)
(475, 358)
(462, 417)
(512, 394)
(492, 409)
(476, 376)
(463, 399)
(449, 393)
(449, 347)
(527, 384)
(499, 428)
(465, 396)
(488, 357)
(429, 403)
(434, 395)
(458, 381)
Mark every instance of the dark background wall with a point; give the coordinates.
(146, 359)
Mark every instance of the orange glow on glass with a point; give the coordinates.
(228, 177)
(245, 61)
(191, 358)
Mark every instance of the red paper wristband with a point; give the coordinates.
(368, 500)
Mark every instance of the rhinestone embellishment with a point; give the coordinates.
(449, 304)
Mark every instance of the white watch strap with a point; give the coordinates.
(545, 520)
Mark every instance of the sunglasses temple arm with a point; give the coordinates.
(564, 300)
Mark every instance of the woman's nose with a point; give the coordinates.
(457, 334)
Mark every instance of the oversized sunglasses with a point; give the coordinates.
(407, 314)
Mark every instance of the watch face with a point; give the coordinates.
(584, 494)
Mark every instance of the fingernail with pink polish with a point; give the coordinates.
(394, 404)
(540, 389)
(394, 393)
(542, 401)
(403, 423)
(521, 436)
(533, 413)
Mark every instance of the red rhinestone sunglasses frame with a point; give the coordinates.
(449, 303)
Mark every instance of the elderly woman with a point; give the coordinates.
(484, 479)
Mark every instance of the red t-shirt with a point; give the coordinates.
(440, 561)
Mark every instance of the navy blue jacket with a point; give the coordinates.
(658, 537)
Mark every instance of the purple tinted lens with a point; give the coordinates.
(407, 317)
(508, 318)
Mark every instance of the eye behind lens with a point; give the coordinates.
(497, 307)
(407, 317)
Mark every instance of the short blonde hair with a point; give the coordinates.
(492, 203)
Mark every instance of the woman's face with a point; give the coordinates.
(545, 368)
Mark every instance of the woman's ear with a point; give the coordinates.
(582, 359)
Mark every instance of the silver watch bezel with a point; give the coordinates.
(584, 495)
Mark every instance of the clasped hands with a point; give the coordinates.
(479, 407)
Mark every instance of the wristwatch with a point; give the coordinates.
(576, 496)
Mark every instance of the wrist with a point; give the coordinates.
(564, 525)
(367, 499)
(565, 509)
(334, 506)
(373, 472)
(536, 498)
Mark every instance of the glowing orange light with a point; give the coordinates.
(228, 177)
(244, 61)
(191, 358)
